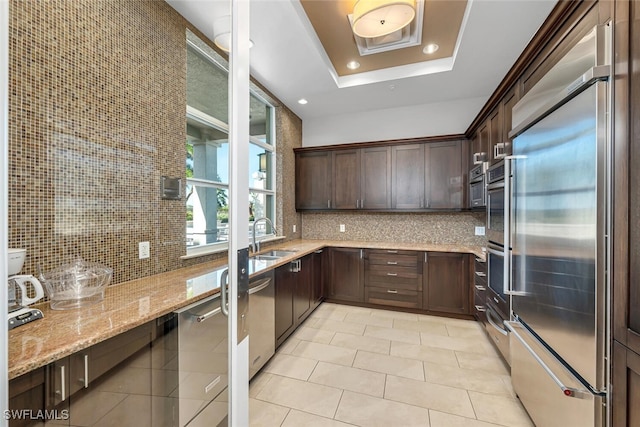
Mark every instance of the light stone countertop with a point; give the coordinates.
(127, 305)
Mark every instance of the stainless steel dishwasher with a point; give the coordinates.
(262, 321)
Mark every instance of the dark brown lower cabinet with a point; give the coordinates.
(446, 285)
(347, 273)
(626, 389)
(319, 264)
(27, 393)
(285, 278)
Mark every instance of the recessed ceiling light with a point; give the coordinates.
(353, 65)
(430, 48)
(302, 101)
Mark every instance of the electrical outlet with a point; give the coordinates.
(479, 231)
(342, 228)
(294, 228)
(143, 250)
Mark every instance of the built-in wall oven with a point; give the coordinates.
(498, 307)
(477, 194)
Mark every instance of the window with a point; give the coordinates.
(207, 159)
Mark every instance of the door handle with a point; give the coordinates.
(223, 292)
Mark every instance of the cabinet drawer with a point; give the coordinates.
(393, 278)
(393, 258)
(393, 296)
(480, 265)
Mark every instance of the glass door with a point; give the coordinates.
(4, 136)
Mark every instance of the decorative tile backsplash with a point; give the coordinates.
(441, 228)
(97, 116)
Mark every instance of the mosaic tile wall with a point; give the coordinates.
(97, 116)
(445, 228)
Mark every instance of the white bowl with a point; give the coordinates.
(16, 260)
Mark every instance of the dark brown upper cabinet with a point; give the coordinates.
(375, 178)
(407, 176)
(480, 146)
(386, 177)
(443, 177)
(313, 180)
(346, 179)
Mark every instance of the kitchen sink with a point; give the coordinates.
(273, 255)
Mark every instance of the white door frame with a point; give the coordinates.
(4, 207)
(239, 205)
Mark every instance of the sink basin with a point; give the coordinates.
(273, 255)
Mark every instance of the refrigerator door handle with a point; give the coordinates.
(566, 390)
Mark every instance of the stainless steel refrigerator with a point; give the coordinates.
(558, 248)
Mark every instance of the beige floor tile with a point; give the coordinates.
(461, 322)
(368, 411)
(346, 378)
(264, 414)
(411, 337)
(395, 314)
(471, 345)
(288, 346)
(339, 326)
(428, 395)
(290, 366)
(429, 327)
(84, 411)
(330, 311)
(442, 419)
(507, 383)
(465, 332)
(367, 319)
(481, 362)
(314, 398)
(468, 379)
(374, 345)
(133, 411)
(393, 365)
(259, 382)
(424, 353)
(432, 319)
(500, 410)
(164, 409)
(300, 419)
(304, 333)
(212, 415)
(325, 353)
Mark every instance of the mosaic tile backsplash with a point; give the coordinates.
(439, 228)
(97, 116)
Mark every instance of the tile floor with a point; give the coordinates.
(353, 366)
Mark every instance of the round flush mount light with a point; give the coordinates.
(377, 18)
(222, 33)
(302, 101)
(353, 65)
(430, 48)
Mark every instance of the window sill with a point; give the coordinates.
(195, 253)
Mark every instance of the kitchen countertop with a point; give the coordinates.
(130, 304)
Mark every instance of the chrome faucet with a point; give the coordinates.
(255, 246)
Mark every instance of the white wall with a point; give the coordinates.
(413, 121)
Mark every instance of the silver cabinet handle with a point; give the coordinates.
(223, 292)
(357, 203)
(481, 288)
(392, 291)
(63, 388)
(392, 252)
(361, 253)
(86, 370)
(329, 204)
(480, 260)
(392, 274)
(318, 252)
(481, 274)
(425, 257)
(480, 308)
(392, 262)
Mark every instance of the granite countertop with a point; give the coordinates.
(130, 304)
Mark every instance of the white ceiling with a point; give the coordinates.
(288, 60)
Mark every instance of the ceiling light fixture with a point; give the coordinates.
(376, 18)
(430, 48)
(302, 101)
(353, 65)
(222, 33)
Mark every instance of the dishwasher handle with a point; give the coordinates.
(203, 317)
(261, 285)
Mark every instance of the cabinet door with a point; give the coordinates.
(27, 392)
(508, 102)
(317, 277)
(285, 287)
(446, 287)
(443, 176)
(346, 282)
(407, 176)
(495, 134)
(481, 145)
(626, 387)
(313, 180)
(375, 179)
(302, 298)
(346, 179)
